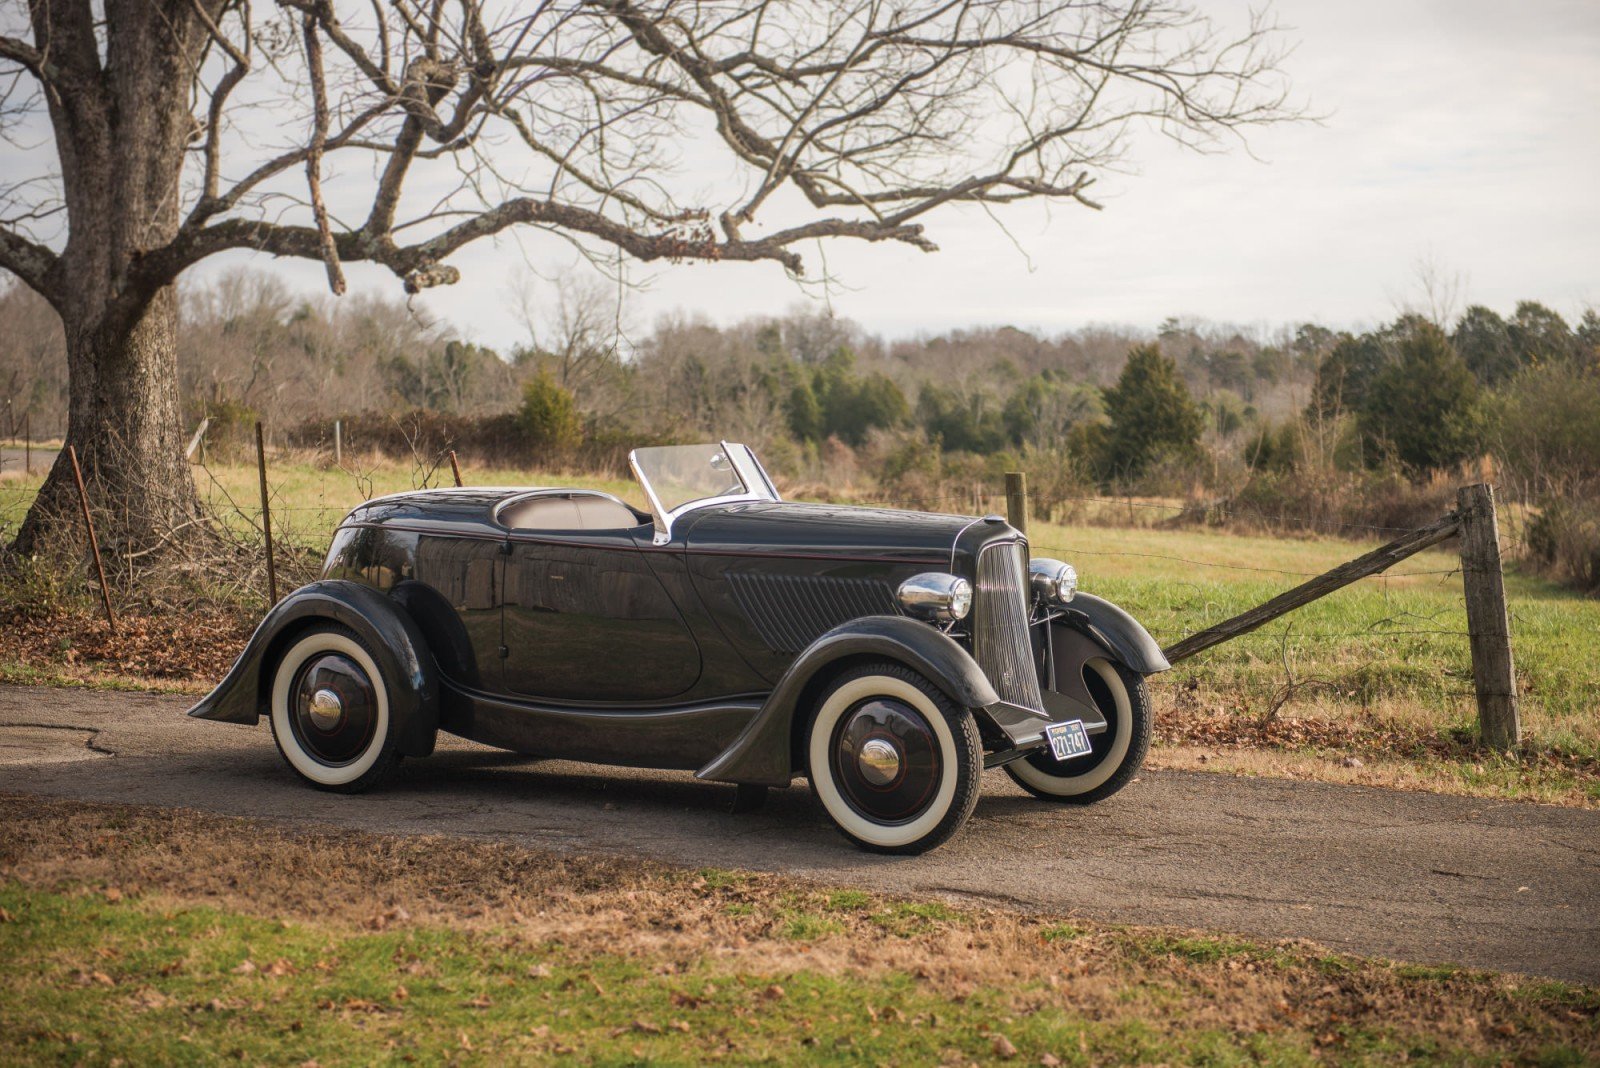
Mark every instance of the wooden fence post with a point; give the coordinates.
(198, 440)
(1017, 500)
(1379, 559)
(94, 542)
(27, 444)
(1488, 622)
(455, 468)
(266, 515)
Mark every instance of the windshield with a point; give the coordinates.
(676, 476)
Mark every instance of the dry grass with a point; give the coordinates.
(675, 927)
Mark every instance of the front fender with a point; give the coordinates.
(1115, 630)
(761, 754)
(392, 636)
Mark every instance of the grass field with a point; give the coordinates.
(160, 937)
(1387, 656)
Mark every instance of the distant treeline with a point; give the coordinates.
(1349, 427)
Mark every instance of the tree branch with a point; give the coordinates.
(319, 140)
(29, 261)
(22, 53)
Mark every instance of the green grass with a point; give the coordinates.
(1391, 645)
(163, 983)
(1060, 932)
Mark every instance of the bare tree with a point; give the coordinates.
(579, 338)
(400, 131)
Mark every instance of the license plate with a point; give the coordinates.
(1068, 740)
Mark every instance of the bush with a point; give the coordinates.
(1565, 538)
(549, 415)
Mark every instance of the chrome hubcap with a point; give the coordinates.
(879, 760)
(325, 708)
(333, 709)
(885, 760)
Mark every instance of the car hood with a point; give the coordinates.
(786, 528)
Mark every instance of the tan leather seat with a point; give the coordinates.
(561, 512)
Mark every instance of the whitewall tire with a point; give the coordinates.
(330, 711)
(894, 762)
(1124, 699)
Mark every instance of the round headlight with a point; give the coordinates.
(1052, 580)
(936, 595)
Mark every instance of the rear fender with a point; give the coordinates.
(392, 636)
(763, 754)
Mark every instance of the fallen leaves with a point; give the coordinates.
(196, 643)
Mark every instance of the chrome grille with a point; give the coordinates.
(1000, 640)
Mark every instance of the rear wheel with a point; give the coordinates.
(1117, 754)
(896, 764)
(330, 712)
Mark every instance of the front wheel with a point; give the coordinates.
(330, 712)
(896, 763)
(1116, 755)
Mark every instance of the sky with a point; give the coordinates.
(1457, 136)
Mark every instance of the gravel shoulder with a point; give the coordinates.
(1415, 877)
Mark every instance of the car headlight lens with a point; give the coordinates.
(1053, 581)
(936, 595)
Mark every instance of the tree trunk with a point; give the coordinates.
(121, 131)
(125, 423)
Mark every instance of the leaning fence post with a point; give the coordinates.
(1488, 622)
(266, 515)
(455, 468)
(94, 543)
(1017, 500)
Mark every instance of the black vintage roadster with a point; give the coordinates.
(888, 656)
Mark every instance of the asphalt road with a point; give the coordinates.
(1411, 876)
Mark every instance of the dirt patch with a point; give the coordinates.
(676, 920)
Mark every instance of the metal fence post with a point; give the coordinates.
(1017, 500)
(266, 515)
(94, 542)
(1488, 621)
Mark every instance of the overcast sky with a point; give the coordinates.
(1461, 133)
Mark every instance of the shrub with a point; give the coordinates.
(1565, 538)
(549, 415)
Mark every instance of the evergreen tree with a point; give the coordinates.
(1483, 340)
(1540, 334)
(1426, 408)
(1152, 415)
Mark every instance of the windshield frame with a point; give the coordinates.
(752, 476)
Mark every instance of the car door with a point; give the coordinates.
(586, 620)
